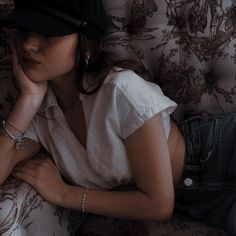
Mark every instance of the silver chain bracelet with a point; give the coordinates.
(20, 140)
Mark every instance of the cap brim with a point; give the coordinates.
(41, 23)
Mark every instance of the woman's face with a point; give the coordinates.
(46, 58)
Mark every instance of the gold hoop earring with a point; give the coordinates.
(87, 60)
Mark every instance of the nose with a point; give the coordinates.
(32, 42)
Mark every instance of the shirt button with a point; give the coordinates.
(188, 182)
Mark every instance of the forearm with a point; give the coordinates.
(21, 116)
(24, 111)
(126, 204)
(6, 159)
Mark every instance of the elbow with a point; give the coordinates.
(163, 211)
(167, 212)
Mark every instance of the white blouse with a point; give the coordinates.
(123, 104)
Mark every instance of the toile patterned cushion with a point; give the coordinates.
(188, 47)
(24, 212)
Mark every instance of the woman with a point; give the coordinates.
(106, 127)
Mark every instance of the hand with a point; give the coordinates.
(44, 177)
(26, 85)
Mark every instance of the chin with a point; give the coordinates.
(32, 73)
(34, 76)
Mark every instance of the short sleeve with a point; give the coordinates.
(137, 101)
(31, 133)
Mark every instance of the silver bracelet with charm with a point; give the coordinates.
(20, 140)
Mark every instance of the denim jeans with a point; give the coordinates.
(207, 189)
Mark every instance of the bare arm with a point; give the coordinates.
(22, 114)
(150, 162)
(20, 117)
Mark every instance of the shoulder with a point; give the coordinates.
(121, 78)
(130, 85)
(129, 100)
(138, 91)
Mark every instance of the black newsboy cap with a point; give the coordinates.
(61, 17)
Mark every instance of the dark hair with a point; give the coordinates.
(94, 61)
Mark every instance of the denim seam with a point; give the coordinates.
(216, 133)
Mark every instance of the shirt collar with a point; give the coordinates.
(50, 97)
(49, 101)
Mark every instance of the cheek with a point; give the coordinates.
(61, 62)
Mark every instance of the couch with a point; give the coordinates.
(189, 49)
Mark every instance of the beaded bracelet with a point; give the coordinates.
(20, 140)
(83, 203)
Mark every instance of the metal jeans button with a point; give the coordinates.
(188, 182)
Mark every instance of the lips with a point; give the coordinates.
(30, 62)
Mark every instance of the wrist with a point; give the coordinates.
(65, 191)
(24, 111)
(30, 99)
(71, 197)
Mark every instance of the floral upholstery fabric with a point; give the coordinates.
(188, 46)
(21, 206)
(189, 49)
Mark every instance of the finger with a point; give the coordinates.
(32, 162)
(25, 168)
(25, 177)
(38, 162)
(30, 168)
(23, 163)
(17, 69)
(13, 50)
